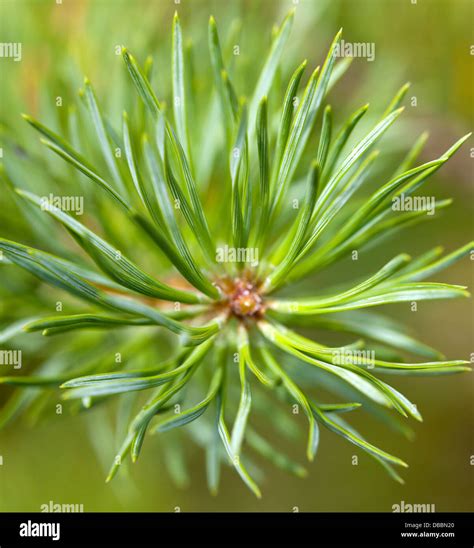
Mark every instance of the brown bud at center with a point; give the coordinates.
(245, 300)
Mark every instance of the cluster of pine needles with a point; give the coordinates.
(207, 342)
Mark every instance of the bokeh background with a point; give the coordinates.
(426, 42)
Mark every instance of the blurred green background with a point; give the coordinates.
(428, 43)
